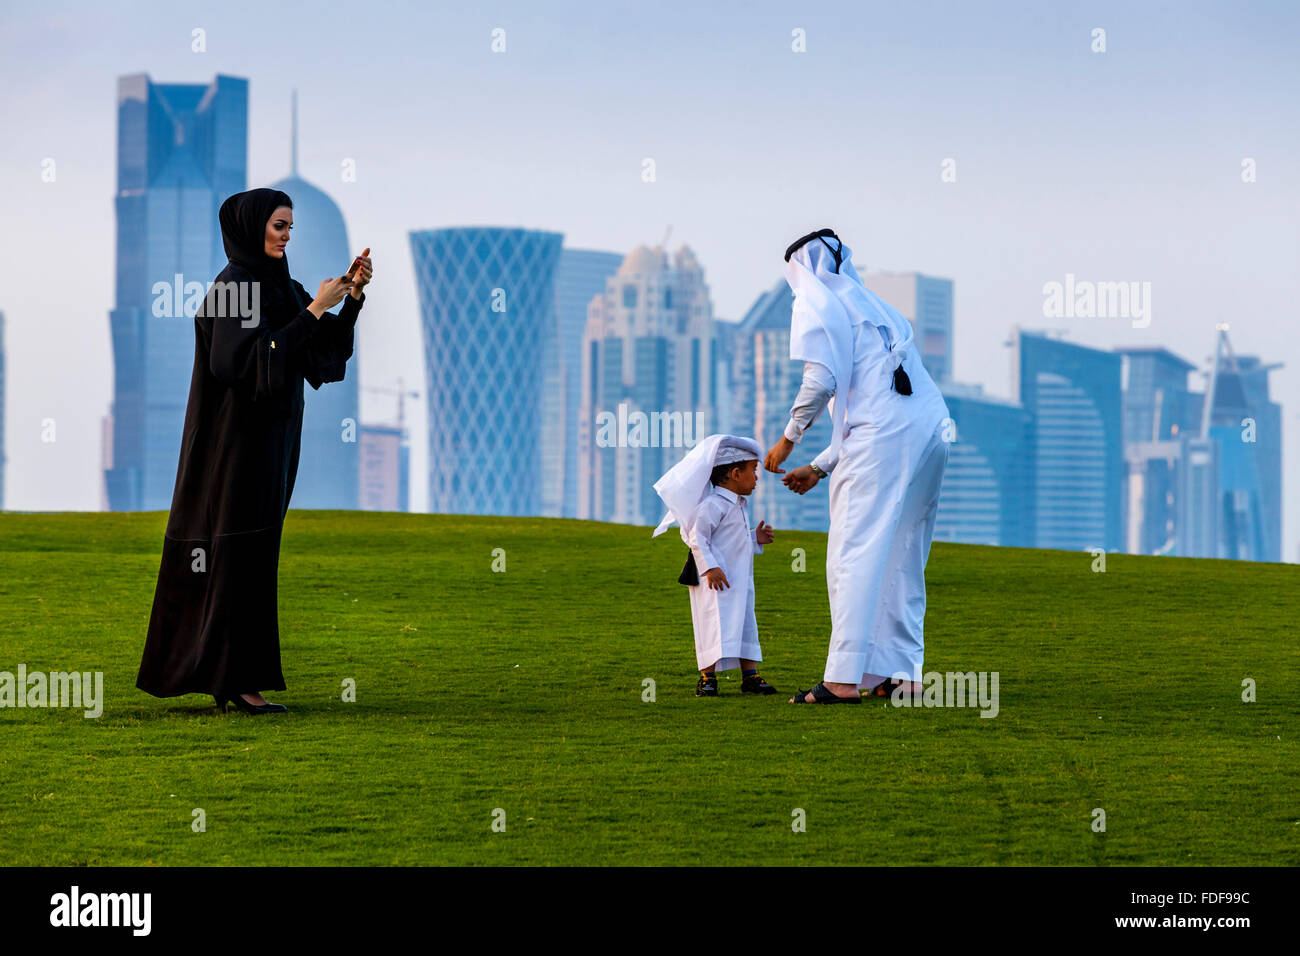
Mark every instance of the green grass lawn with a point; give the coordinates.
(523, 690)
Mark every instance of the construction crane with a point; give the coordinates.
(402, 394)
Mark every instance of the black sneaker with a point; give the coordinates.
(707, 687)
(754, 684)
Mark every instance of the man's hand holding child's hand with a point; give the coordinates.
(801, 480)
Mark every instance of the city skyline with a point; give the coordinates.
(1223, 250)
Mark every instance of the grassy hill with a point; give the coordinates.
(523, 691)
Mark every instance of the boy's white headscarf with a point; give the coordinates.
(686, 483)
(828, 306)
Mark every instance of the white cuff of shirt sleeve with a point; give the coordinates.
(824, 461)
(704, 560)
(793, 431)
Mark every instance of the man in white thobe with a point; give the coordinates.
(886, 462)
(715, 525)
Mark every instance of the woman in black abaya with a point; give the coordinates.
(257, 338)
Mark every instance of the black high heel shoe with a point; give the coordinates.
(246, 707)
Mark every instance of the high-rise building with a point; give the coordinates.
(1073, 395)
(1196, 504)
(581, 276)
(988, 494)
(926, 302)
(487, 310)
(768, 381)
(105, 460)
(1160, 415)
(329, 462)
(181, 150)
(1247, 429)
(726, 338)
(648, 384)
(1158, 403)
(2, 411)
(385, 463)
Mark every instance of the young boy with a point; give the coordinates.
(705, 493)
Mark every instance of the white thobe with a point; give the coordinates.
(726, 629)
(884, 495)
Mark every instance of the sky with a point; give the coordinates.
(1122, 165)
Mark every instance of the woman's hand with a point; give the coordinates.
(330, 294)
(801, 479)
(365, 270)
(777, 454)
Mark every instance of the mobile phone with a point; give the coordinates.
(356, 263)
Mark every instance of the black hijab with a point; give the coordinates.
(243, 219)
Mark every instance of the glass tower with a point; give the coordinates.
(181, 150)
(2, 411)
(1160, 415)
(987, 496)
(487, 311)
(580, 277)
(1073, 395)
(1246, 427)
(926, 302)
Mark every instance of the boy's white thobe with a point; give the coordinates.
(726, 629)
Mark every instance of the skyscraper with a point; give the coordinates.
(1160, 415)
(1073, 395)
(1157, 401)
(385, 463)
(181, 150)
(648, 383)
(581, 276)
(487, 310)
(2, 411)
(926, 302)
(987, 495)
(1196, 504)
(726, 387)
(1246, 427)
(329, 463)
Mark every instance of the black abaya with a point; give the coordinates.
(213, 628)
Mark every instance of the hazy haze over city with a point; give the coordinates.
(1124, 165)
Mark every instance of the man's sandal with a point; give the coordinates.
(821, 695)
(885, 691)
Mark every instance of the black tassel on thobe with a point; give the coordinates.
(213, 628)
